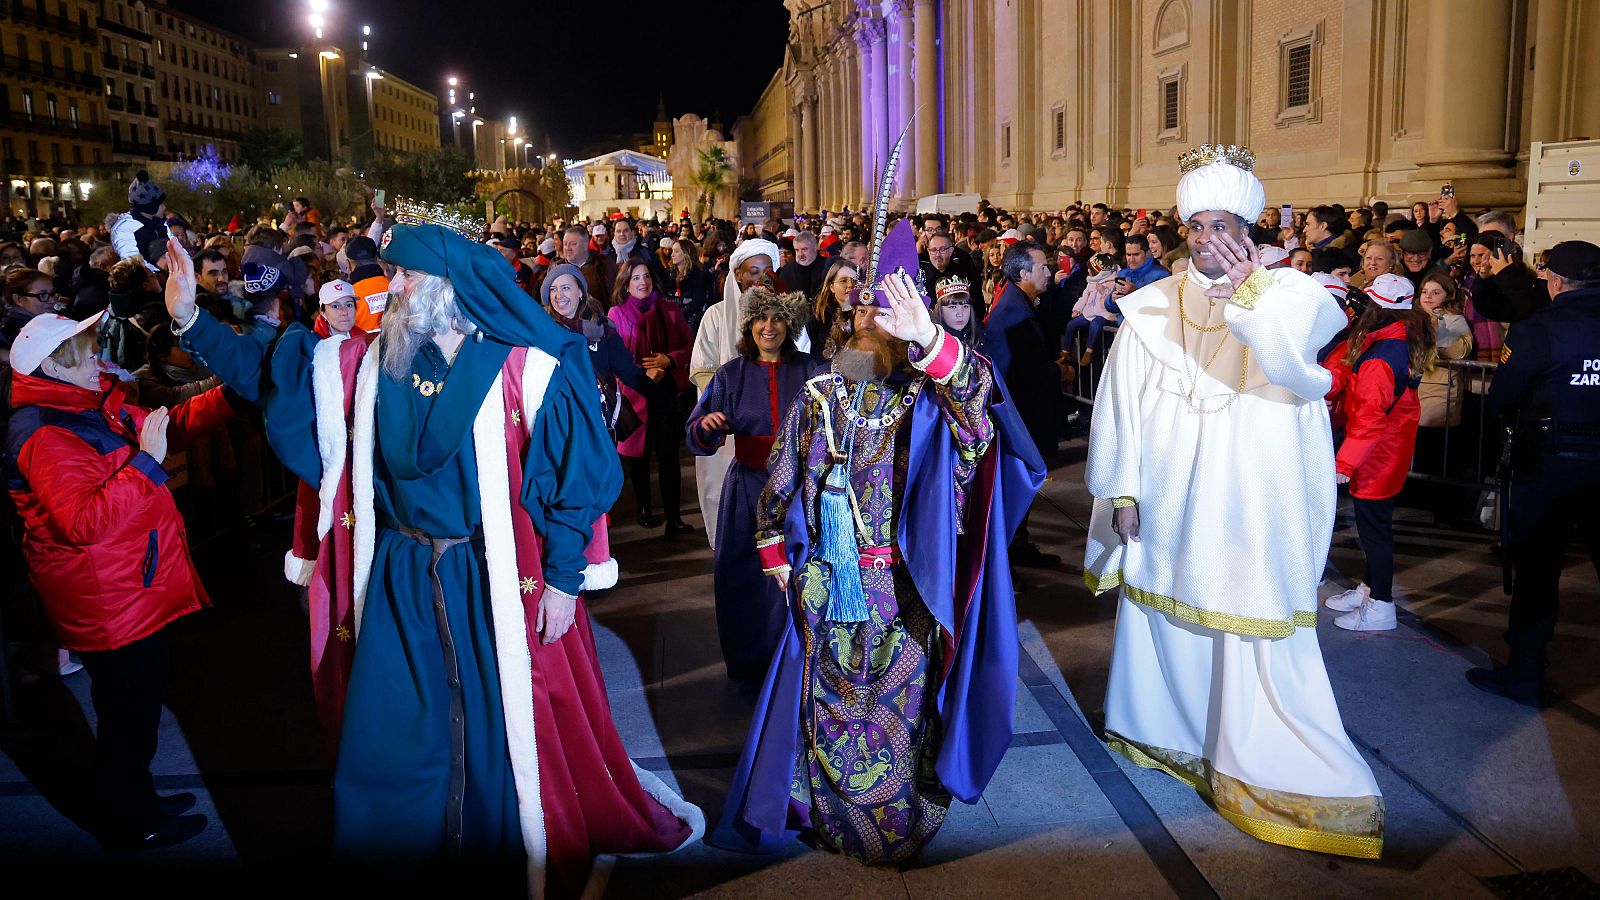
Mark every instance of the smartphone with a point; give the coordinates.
(1449, 190)
(377, 197)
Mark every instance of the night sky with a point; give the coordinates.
(576, 70)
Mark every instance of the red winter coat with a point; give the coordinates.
(104, 542)
(1380, 430)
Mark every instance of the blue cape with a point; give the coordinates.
(965, 580)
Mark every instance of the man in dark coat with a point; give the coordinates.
(1022, 338)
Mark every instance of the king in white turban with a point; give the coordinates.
(1211, 464)
(753, 262)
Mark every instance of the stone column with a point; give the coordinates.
(1549, 47)
(927, 100)
(875, 98)
(904, 181)
(1466, 140)
(827, 160)
(808, 141)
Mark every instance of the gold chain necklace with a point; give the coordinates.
(1204, 329)
(1194, 378)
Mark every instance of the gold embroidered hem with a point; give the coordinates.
(1122, 502)
(1346, 826)
(1244, 625)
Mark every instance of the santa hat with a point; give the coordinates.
(1391, 292)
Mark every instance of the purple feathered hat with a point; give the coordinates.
(894, 252)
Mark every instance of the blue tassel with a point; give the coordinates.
(847, 598)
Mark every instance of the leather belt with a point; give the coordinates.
(452, 673)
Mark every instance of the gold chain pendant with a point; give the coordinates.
(1203, 329)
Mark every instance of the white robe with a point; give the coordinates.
(715, 344)
(1216, 675)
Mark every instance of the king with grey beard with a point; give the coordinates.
(426, 308)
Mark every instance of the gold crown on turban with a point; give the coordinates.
(1206, 154)
(414, 212)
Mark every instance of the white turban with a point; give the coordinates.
(1220, 186)
(751, 247)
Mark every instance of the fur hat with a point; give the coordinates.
(758, 301)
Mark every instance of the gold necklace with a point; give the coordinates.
(1194, 378)
(1204, 329)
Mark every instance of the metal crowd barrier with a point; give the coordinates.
(1464, 455)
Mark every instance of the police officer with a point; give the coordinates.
(1548, 389)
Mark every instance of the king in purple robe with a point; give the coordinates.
(747, 398)
(897, 480)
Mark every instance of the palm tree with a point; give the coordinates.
(710, 176)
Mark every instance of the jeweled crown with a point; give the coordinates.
(414, 212)
(1206, 154)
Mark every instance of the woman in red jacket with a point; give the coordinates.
(1389, 348)
(106, 552)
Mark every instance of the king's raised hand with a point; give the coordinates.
(906, 317)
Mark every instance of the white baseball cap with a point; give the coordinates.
(1011, 236)
(337, 289)
(42, 335)
(1391, 291)
(1337, 288)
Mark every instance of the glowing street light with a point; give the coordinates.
(452, 81)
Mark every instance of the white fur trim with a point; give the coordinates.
(510, 625)
(298, 570)
(537, 370)
(364, 440)
(327, 392)
(686, 812)
(600, 576)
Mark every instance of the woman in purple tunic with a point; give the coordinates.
(747, 398)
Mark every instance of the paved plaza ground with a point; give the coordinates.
(1478, 790)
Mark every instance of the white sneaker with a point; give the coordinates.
(1373, 615)
(1351, 599)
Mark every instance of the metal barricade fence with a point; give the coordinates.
(1463, 455)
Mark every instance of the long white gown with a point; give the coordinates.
(1216, 674)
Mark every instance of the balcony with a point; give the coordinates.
(35, 69)
(51, 22)
(59, 128)
(177, 127)
(115, 103)
(140, 108)
(141, 151)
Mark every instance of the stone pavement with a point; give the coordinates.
(1476, 787)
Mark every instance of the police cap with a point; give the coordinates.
(1574, 261)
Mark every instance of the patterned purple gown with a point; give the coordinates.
(869, 733)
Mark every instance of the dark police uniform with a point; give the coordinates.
(1548, 387)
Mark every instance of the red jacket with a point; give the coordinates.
(104, 542)
(1379, 399)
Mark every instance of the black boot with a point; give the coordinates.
(169, 831)
(676, 527)
(647, 519)
(1517, 685)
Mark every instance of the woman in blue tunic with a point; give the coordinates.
(747, 398)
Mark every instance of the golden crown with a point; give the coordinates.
(1206, 154)
(414, 212)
